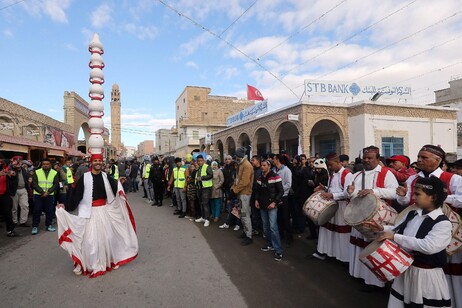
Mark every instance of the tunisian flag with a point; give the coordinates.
(253, 94)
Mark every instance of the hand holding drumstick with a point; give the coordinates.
(375, 226)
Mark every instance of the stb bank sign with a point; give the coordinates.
(354, 89)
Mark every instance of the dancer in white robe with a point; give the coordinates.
(102, 234)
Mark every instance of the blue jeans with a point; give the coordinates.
(215, 204)
(46, 205)
(269, 219)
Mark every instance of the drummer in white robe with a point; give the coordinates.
(103, 235)
(334, 236)
(425, 232)
(429, 159)
(377, 180)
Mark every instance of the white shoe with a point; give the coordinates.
(224, 226)
(147, 201)
(237, 228)
(207, 223)
(200, 220)
(115, 267)
(187, 217)
(77, 270)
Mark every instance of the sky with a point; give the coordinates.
(155, 48)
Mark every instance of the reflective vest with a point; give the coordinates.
(205, 183)
(116, 172)
(69, 177)
(45, 182)
(147, 169)
(178, 176)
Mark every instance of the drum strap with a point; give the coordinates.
(400, 228)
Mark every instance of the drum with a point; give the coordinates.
(369, 208)
(456, 241)
(386, 259)
(318, 209)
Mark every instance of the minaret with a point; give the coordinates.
(115, 117)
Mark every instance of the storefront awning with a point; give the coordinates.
(55, 153)
(13, 147)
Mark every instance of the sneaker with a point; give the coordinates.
(278, 256)
(147, 201)
(181, 216)
(255, 232)
(77, 270)
(51, 228)
(34, 230)
(237, 228)
(266, 248)
(171, 205)
(200, 220)
(224, 226)
(246, 241)
(11, 234)
(187, 217)
(207, 223)
(242, 235)
(319, 256)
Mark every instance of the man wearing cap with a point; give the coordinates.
(102, 235)
(334, 236)
(429, 160)
(243, 188)
(377, 180)
(178, 183)
(45, 183)
(399, 167)
(157, 178)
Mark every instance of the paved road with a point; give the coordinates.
(180, 264)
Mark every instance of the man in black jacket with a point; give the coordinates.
(7, 183)
(268, 196)
(157, 178)
(20, 194)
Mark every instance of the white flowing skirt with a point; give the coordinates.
(357, 268)
(455, 279)
(334, 237)
(427, 287)
(101, 242)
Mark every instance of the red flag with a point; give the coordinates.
(253, 94)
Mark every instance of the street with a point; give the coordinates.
(180, 264)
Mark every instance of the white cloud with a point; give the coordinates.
(55, 9)
(191, 46)
(101, 16)
(141, 32)
(8, 33)
(227, 72)
(192, 64)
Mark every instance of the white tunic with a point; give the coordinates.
(357, 268)
(418, 285)
(455, 200)
(333, 239)
(104, 240)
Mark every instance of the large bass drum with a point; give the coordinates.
(318, 209)
(369, 208)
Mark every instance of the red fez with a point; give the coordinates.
(96, 156)
(398, 158)
(332, 156)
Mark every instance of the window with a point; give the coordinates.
(204, 115)
(326, 147)
(392, 146)
(195, 134)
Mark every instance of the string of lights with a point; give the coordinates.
(349, 38)
(302, 29)
(11, 4)
(239, 17)
(197, 24)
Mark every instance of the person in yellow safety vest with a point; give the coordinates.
(45, 183)
(178, 181)
(204, 183)
(114, 170)
(69, 177)
(145, 172)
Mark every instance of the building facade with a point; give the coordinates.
(452, 97)
(166, 141)
(321, 128)
(145, 148)
(198, 113)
